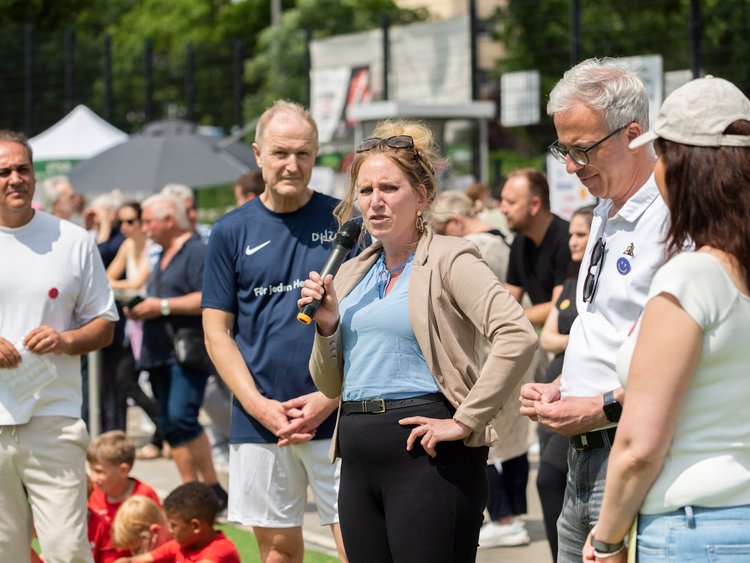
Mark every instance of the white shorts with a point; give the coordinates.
(268, 484)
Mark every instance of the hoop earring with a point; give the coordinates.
(420, 224)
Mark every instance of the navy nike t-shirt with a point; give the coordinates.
(256, 263)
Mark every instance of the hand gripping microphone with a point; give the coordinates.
(345, 240)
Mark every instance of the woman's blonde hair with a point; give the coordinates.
(133, 521)
(418, 164)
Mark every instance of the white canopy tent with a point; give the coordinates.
(78, 136)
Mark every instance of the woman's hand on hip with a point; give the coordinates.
(431, 431)
(317, 289)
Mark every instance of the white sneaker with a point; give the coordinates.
(493, 534)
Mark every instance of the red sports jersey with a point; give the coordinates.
(101, 507)
(220, 550)
(98, 500)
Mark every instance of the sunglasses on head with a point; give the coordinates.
(395, 142)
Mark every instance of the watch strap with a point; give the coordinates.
(605, 548)
(612, 407)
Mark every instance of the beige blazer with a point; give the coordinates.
(454, 300)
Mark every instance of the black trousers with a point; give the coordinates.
(406, 507)
(127, 382)
(508, 489)
(551, 481)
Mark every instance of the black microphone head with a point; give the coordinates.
(348, 234)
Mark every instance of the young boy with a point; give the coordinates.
(191, 510)
(111, 456)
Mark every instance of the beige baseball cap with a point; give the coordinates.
(698, 113)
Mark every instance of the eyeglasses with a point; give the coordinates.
(395, 142)
(592, 279)
(128, 221)
(579, 154)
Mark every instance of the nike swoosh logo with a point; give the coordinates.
(250, 251)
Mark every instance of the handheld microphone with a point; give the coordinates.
(345, 240)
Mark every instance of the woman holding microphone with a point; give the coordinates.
(398, 335)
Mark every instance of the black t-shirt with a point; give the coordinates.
(538, 269)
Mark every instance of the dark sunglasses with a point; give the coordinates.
(395, 142)
(128, 221)
(592, 279)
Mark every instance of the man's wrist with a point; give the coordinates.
(605, 549)
(164, 308)
(612, 407)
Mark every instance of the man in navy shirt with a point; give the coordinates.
(173, 303)
(258, 257)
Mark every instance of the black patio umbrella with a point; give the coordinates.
(164, 152)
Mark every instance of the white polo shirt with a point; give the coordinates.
(634, 240)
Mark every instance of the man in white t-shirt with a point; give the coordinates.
(598, 107)
(55, 304)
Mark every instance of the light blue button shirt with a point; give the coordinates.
(382, 358)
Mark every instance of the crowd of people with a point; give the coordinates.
(456, 320)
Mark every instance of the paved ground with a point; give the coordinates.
(162, 475)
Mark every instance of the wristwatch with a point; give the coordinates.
(612, 408)
(164, 306)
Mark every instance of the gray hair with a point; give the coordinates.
(52, 189)
(16, 137)
(452, 202)
(180, 191)
(605, 85)
(110, 201)
(164, 205)
(280, 107)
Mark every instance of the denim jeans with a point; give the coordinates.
(584, 493)
(714, 535)
(179, 394)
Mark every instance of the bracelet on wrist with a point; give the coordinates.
(606, 555)
(604, 548)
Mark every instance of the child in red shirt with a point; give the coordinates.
(191, 511)
(111, 456)
(140, 525)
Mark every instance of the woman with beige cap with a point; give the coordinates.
(681, 461)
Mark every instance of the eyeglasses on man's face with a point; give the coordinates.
(580, 155)
(592, 278)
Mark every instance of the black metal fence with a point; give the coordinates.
(45, 75)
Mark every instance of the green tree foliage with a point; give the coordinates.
(46, 15)
(278, 69)
(537, 35)
(209, 26)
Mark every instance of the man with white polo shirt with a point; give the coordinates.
(598, 108)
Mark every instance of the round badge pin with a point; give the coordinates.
(623, 266)
(53, 293)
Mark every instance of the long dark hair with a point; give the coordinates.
(708, 193)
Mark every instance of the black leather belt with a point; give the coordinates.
(378, 406)
(594, 440)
